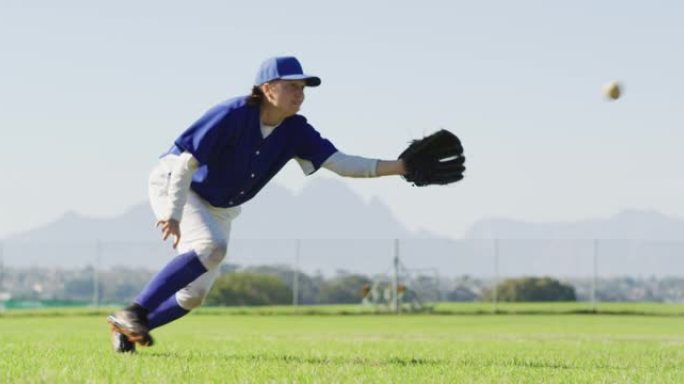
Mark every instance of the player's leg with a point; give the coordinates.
(183, 301)
(203, 246)
(193, 295)
(204, 234)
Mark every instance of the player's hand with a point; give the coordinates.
(168, 228)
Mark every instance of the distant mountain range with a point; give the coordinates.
(630, 224)
(324, 209)
(344, 232)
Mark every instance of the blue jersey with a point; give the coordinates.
(235, 160)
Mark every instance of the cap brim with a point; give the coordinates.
(311, 81)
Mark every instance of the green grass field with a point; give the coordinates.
(233, 345)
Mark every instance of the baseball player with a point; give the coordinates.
(220, 162)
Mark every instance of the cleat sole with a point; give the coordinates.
(142, 339)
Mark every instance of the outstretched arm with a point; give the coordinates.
(390, 167)
(357, 166)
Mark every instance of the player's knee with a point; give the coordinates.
(215, 254)
(211, 252)
(191, 299)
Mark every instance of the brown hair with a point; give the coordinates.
(256, 97)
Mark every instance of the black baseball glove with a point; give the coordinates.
(434, 159)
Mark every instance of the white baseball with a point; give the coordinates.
(612, 90)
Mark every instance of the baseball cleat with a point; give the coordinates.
(121, 344)
(131, 325)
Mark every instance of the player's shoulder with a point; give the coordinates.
(233, 104)
(234, 109)
(298, 121)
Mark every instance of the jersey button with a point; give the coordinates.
(242, 192)
(257, 153)
(252, 176)
(230, 202)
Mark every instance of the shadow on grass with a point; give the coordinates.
(295, 359)
(371, 362)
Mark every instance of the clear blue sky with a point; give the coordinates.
(92, 92)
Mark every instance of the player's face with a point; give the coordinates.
(286, 95)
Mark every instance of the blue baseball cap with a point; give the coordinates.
(284, 68)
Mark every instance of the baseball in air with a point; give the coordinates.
(612, 90)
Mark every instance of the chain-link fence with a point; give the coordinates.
(431, 270)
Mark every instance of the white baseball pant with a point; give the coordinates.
(204, 229)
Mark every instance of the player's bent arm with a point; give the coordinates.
(179, 184)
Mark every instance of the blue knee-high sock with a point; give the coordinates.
(181, 271)
(165, 313)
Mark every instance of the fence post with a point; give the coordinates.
(438, 284)
(496, 275)
(96, 267)
(295, 275)
(4, 296)
(2, 266)
(395, 278)
(594, 274)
